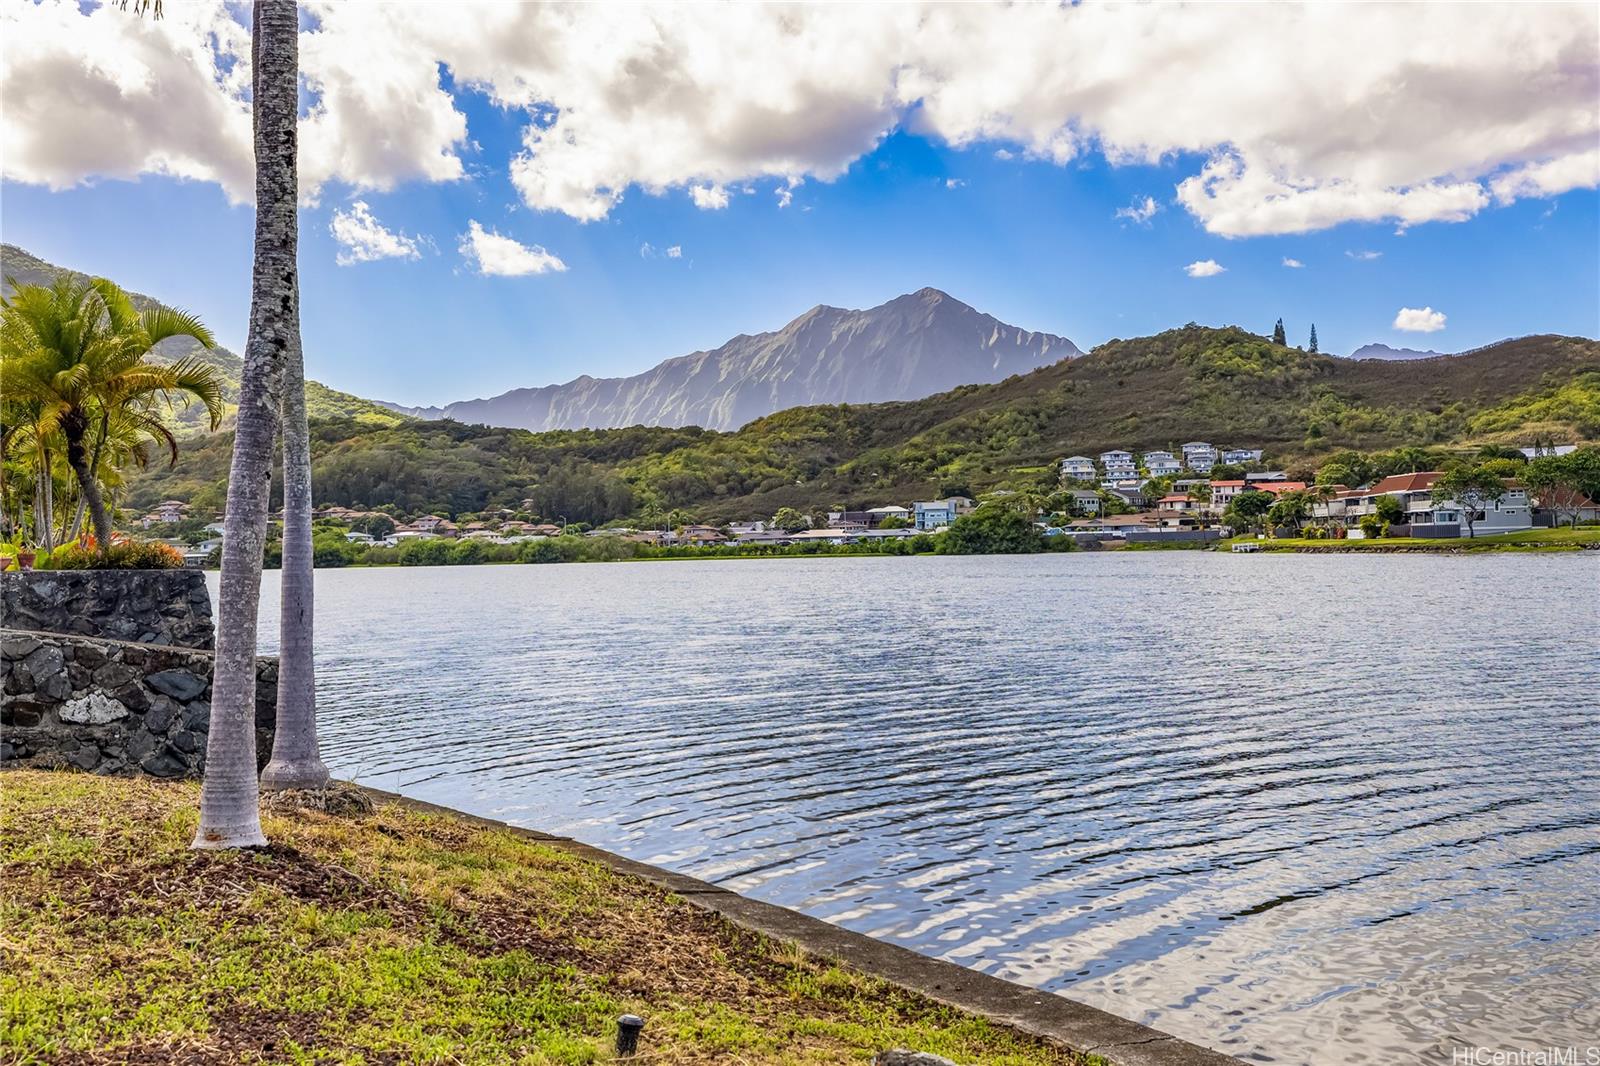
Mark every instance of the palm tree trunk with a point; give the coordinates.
(229, 811)
(89, 491)
(44, 525)
(296, 759)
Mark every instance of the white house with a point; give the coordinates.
(1119, 466)
(1077, 468)
(877, 515)
(1161, 464)
(1240, 456)
(1085, 502)
(1199, 456)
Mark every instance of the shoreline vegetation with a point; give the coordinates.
(393, 935)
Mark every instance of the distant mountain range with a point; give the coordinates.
(1383, 351)
(914, 346)
(321, 401)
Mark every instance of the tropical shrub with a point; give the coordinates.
(123, 555)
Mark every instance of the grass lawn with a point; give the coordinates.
(394, 937)
(1531, 540)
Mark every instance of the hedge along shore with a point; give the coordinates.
(416, 934)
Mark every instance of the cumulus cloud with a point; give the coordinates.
(1140, 211)
(105, 94)
(495, 255)
(709, 197)
(675, 252)
(363, 239)
(954, 183)
(1439, 111)
(1292, 263)
(1204, 268)
(1419, 320)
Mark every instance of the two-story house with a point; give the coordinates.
(1241, 456)
(1078, 468)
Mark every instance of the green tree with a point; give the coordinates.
(991, 529)
(1472, 488)
(790, 521)
(1389, 509)
(894, 521)
(1278, 335)
(77, 362)
(1312, 347)
(1562, 482)
(1290, 509)
(1248, 508)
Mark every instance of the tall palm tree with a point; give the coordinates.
(229, 813)
(78, 352)
(296, 758)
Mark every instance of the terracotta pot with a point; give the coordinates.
(25, 560)
(5, 562)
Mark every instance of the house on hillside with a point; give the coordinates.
(1199, 456)
(1241, 456)
(1161, 464)
(1132, 497)
(1119, 466)
(1078, 468)
(1085, 502)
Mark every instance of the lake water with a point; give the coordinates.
(1305, 809)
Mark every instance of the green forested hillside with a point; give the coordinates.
(321, 401)
(1225, 386)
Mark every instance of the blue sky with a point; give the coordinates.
(1034, 240)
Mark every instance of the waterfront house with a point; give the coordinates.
(358, 538)
(852, 520)
(1119, 466)
(935, 514)
(1161, 464)
(1199, 456)
(1241, 456)
(1565, 504)
(1512, 513)
(739, 529)
(1224, 492)
(1078, 468)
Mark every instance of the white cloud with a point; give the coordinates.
(1204, 268)
(1438, 111)
(1140, 211)
(1419, 320)
(650, 251)
(1292, 263)
(954, 183)
(709, 197)
(1004, 154)
(363, 239)
(494, 255)
(1365, 256)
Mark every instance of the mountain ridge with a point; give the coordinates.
(912, 346)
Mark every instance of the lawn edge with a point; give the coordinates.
(1073, 1025)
